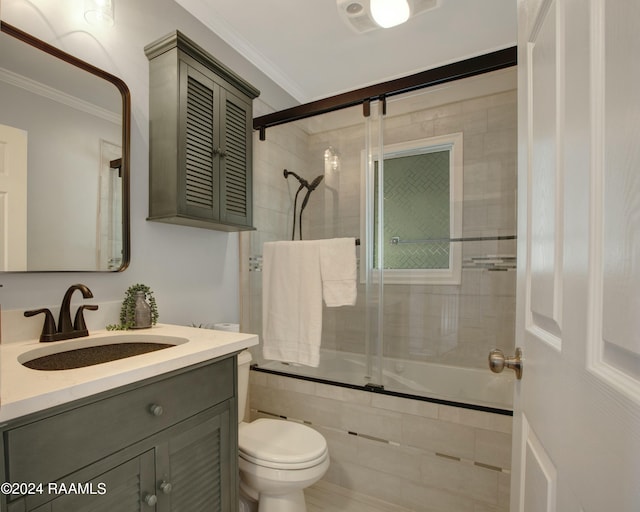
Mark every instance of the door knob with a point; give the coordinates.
(497, 362)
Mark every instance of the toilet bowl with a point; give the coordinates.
(278, 459)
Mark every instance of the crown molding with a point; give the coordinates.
(58, 96)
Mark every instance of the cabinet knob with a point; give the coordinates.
(150, 499)
(166, 487)
(156, 409)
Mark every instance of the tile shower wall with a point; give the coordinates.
(419, 455)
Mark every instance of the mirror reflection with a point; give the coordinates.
(63, 161)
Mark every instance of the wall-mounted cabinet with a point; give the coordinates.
(200, 141)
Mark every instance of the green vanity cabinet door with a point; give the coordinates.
(129, 488)
(197, 467)
(200, 138)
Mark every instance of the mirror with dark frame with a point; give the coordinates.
(64, 160)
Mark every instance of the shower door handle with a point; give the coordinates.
(497, 362)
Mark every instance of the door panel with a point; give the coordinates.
(13, 191)
(616, 338)
(541, 476)
(546, 181)
(577, 408)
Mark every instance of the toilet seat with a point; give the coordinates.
(281, 444)
(285, 466)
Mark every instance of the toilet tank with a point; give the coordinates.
(244, 361)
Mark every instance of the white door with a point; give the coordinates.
(577, 408)
(109, 218)
(13, 198)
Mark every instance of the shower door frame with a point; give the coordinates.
(479, 65)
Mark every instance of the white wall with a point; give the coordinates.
(193, 272)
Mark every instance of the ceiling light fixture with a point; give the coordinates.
(389, 13)
(99, 12)
(358, 14)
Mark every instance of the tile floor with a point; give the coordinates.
(328, 497)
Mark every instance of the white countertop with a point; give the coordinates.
(24, 391)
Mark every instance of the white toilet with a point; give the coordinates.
(278, 458)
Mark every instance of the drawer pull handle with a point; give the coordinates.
(156, 409)
(150, 499)
(166, 487)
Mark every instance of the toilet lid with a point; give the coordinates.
(281, 442)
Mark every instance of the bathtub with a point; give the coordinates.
(465, 387)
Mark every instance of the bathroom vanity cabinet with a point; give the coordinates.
(200, 138)
(166, 443)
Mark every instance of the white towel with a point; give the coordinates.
(338, 269)
(292, 291)
(291, 302)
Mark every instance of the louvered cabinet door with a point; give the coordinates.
(201, 465)
(235, 160)
(199, 147)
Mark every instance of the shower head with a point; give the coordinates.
(314, 184)
(310, 188)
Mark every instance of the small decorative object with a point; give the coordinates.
(139, 309)
(142, 315)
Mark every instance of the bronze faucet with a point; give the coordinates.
(66, 330)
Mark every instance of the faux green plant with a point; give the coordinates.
(128, 310)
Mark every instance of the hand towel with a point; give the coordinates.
(338, 271)
(292, 302)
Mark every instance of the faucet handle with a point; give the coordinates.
(78, 322)
(49, 326)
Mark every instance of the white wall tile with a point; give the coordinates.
(438, 436)
(493, 448)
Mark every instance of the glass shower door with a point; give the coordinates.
(448, 227)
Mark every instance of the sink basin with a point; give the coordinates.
(85, 352)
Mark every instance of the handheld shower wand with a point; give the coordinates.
(310, 188)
